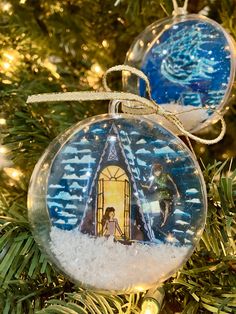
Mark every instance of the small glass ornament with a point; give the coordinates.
(118, 203)
(190, 62)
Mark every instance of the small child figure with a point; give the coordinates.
(163, 189)
(110, 223)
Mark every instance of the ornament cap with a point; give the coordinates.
(179, 10)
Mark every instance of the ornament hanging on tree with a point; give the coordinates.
(190, 62)
(117, 202)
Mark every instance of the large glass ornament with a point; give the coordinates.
(118, 203)
(190, 62)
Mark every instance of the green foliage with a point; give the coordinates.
(207, 283)
(56, 46)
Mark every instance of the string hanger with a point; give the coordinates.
(179, 10)
(131, 103)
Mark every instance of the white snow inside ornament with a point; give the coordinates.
(118, 203)
(190, 62)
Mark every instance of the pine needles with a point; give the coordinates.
(55, 45)
(207, 283)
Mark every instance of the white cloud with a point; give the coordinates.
(141, 162)
(70, 176)
(71, 206)
(142, 141)
(178, 211)
(190, 232)
(54, 204)
(143, 151)
(72, 221)
(194, 200)
(87, 159)
(58, 186)
(72, 161)
(182, 222)
(84, 160)
(192, 191)
(70, 150)
(65, 214)
(164, 150)
(60, 221)
(65, 196)
(84, 151)
(85, 176)
(69, 168)
(76, 185)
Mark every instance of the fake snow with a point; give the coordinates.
(108, 265)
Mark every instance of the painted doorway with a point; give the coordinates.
(114, 191)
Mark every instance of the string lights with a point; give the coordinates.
(152, 301)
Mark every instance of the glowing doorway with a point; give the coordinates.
(114, 191)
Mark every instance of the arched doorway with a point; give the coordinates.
(113, 190)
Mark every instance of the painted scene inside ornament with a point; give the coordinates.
(189, 63)
(126, 204)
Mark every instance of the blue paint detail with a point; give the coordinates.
(188, 64)
(73, 172)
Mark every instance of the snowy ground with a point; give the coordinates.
(110, 265)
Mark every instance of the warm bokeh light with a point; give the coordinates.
(94, 75)
(6, 6)
(97, 69)
(9, 61)
(6, 65)
(13, 173)
(2, 121)
(105, 43)
(3, 150)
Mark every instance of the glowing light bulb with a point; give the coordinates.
(153, 301)
(150, 306)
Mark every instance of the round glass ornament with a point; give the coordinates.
(118, 203)
(190, 62)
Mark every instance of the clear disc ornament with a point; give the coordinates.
(190, 62)
(118, 203)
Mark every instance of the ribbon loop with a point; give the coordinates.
(131, 103)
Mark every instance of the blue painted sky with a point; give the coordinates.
(75, 166)
(190, 63)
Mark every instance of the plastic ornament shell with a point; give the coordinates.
(118, 203)
(190, 63)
